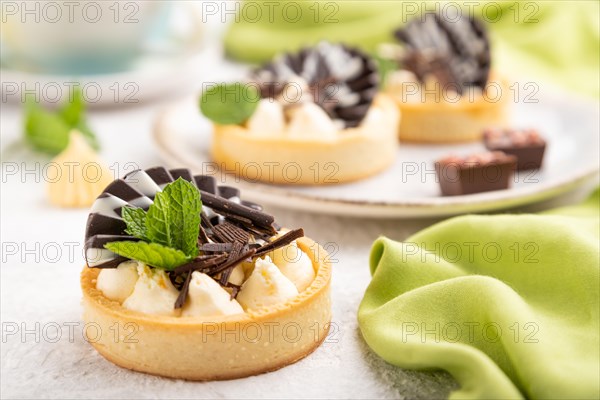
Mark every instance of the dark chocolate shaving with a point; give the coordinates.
(237, 248)
(226, 232)
(202, 236)
(281, 241)
(184, 291)
(205, 221)
(219, 204)
(235, 289)
(231, 263)
(236, 218)
(216, 247)
(456, 52)
(201, 264)
(252, 205)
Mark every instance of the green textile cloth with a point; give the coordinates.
(556, 41)
(508, 304)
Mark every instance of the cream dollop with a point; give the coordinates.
(310, 119)
(268, 118)
(266, 286)
(207, 298)
(153, 293)
(80, 175)
(295, 264)
(118, 283)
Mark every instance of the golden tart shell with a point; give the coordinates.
(354, 154)
(443, 121)
(211, 348)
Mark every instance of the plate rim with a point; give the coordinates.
(419, 207)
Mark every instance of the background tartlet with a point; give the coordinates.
(320, 120)
(444, 88)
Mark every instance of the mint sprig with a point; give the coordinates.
(48, 131)
(172, 223)
(135, 219)
(229, 103)
(152, 254)
(174, 217)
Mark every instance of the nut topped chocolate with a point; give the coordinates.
(341, 80)
(183, 230)
(455, 51)
(525, 144)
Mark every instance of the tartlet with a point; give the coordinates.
(444, 88)
(204, 347)
(335, 127)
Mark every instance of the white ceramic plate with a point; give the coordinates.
(409, 188)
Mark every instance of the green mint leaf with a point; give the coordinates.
(88, 134)
(152, 254)
(73, 111)
(49, 131)
(135, 219)
(385, 67)
(173, 219)
(231, 103)
(44, 130)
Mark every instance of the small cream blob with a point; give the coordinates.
(153, 293)
(118, 283)
(81, 175)
(310, 119)
(268, 118)
(294, 264)
(207, 298)
(266, 286)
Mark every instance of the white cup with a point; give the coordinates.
(78, 37)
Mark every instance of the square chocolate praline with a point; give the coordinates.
(457, 178)
(526, 145)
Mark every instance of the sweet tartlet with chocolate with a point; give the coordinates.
(184, 279)
(444, 87)
(308, 118)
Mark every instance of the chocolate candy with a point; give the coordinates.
(476, 173)
(526, 144)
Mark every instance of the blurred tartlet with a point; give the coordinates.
(444, 88)
(318, 119)
(199, 289)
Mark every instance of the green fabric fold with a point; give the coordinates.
(508, 304)
(555, 41)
